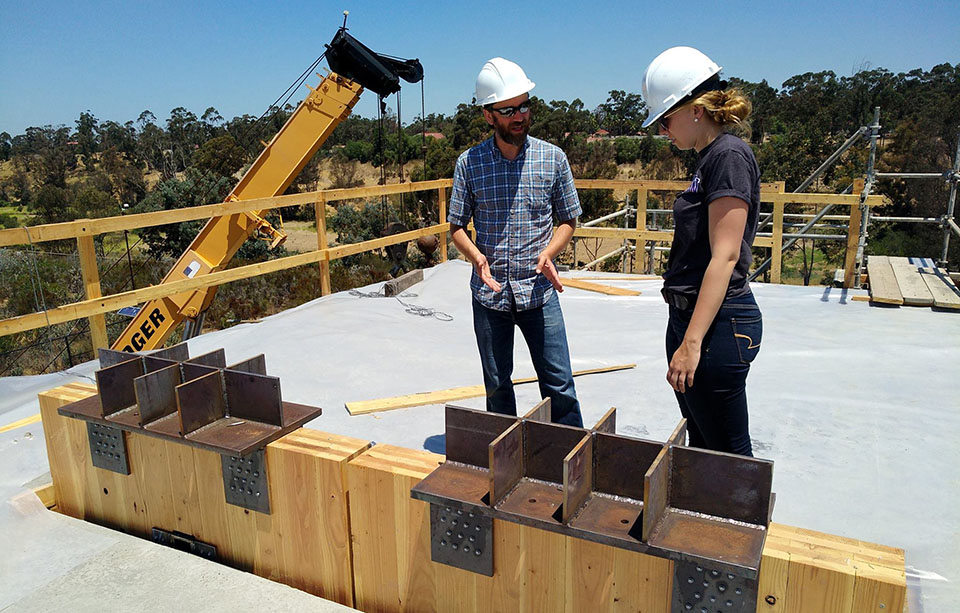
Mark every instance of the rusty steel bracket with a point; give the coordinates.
(245, 481)
(184, 542)
(232, 410)
(658, 498)
(108, 448)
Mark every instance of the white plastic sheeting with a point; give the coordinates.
(857, 405)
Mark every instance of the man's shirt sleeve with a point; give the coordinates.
(461, 198)
(566, 203)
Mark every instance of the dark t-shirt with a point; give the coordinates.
(726, 168)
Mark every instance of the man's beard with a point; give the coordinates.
(509, 137)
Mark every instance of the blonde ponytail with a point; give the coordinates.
(728, 108)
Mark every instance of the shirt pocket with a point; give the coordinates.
(747, 332)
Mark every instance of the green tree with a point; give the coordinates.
(221, 155)
(622, 113)
(91, 202)
(87, 137)
(5, 146)
(52, 204)
(196, 188)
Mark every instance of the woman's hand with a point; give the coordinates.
(683, 365)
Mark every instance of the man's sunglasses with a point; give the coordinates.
(508, 111)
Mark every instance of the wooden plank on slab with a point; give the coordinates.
(395, 287)
(944, 291)
(598, 287)
(884, 288)
(362, 407)
(912, 287)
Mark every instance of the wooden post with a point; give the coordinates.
(320, 212)
(442, 202)
(641, 223)
(777, 254)
(91, 288)
(853, 238)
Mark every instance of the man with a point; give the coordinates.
(512, 186)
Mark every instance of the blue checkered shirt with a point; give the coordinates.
(513, 203)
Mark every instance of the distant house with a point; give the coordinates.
(436, 135)
(600, 134)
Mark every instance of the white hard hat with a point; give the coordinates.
(672, 76)
(500, 80)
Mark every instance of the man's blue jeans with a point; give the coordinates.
(546, 337)
(716, 404)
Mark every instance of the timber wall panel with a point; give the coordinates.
(344, 527)
(304, 542)
(534, 570)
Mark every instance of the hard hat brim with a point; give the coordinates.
(711, 83)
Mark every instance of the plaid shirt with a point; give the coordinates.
(513, 203)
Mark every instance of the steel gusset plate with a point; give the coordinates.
(108, 448)
(462, 537)
(197, 401)
(708, 507)
(662, 499)
(702, 589)
(245, 481)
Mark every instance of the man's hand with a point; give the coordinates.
(683, 365)
(483, 271)
(545, 266)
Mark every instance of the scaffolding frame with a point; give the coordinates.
(808, 230)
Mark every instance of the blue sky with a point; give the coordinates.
(117, 59)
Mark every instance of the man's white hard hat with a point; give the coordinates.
(500, 80)
(672, 76)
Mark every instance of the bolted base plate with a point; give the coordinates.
(108, 448)
(461, 537)
(701, 589)
(245, 481)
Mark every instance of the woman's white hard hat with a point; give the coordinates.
(500, 80)
(672, 76)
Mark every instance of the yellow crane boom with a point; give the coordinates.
(270, 175)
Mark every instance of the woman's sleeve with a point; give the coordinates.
(731, 174)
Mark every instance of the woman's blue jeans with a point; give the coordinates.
(546, 337)
(716, 404)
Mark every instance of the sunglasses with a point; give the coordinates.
(509, 111)
(665, 121)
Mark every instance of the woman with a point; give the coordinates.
(715, 325)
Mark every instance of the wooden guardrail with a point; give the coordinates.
(95, 305)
